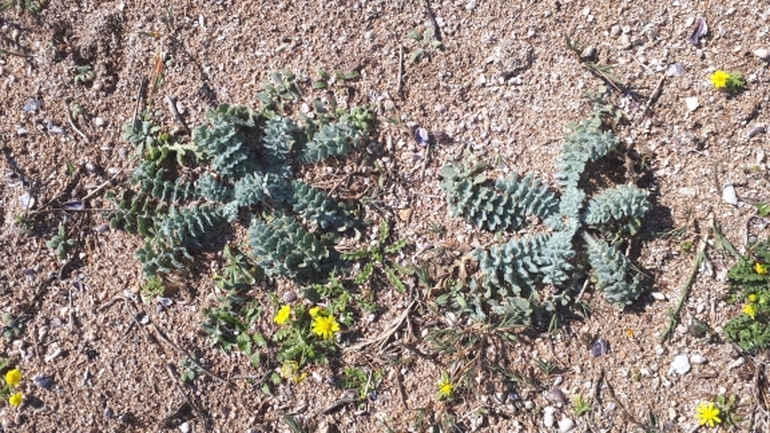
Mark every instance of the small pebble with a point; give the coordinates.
(556, 396)
(421, 137)
(21, 131)
(600, 347)
(566, 424)
(32, 106)
(692, 103)
(762, 53)
(737, 363)
(471, 5)
(99, 122)
(728, 194)
(108, 413)
(51, 356)
(289, 296)
(45, 382)
(588, 53)
(680, 365)
(675, 70)
(27, 201)
(548, 418)
(658, 296)
(698, 359)
(184, 427)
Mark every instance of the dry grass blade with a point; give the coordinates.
(382, 339)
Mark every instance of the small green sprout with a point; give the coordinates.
(60, 243)
(580, 406)
(84, 74)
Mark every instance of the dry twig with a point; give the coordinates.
(383, 338)
(72, 123)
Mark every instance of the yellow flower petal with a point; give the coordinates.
(719, 79)
(13, 377)
(15, 399)
(325, 327)
(760, 268)
(707, 414)
(282, 315)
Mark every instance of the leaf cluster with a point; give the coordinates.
(750, 285)
(247, 165)
(543, 264)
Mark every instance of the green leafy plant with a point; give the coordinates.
(14, 325)
(190, 370)
(84, 74)
(305, 335)
(425, 44)
(378, 257)
(580, 406)
(750, 285)
(60, 242)
(153, 287)
(31, 6)
(247, 161)
(727, 410)
(230, 320)
(362, 381)
(731, 82)
(24, 223)
(545, 252)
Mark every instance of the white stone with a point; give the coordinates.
(548, 418)
(698, 359)
(729, 195)
(680, 365)
(566, 424)
(737, 363)
(762, 53)
(692, 103)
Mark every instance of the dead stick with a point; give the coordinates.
(163, 337)
(175, 112)
(186, 397)
(685, 291)
(72, 123)
(654, 97)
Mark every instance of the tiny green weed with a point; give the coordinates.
(580, 406)
(362, 381)
(425, 44)
(379, 257)
(60, 243)
(84, 74)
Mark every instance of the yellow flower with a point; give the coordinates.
(282, 315)
(325, 326)
(290, 370)
(15, 399)
(445, 387)
(720, 79)
(753, 297)
(707, 413)
(750, 310)
(760, 268)
(13, 377)
(315, 311)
